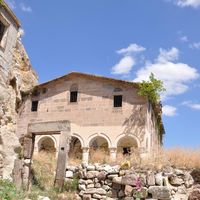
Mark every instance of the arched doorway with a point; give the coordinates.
(127, 145)
(46, 144)
(75, 151)
(98, 149)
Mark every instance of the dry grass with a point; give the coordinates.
(99, 155)
(176, 157)
(183, 158)
(44, 166)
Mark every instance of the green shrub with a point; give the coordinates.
(7, 190)
(71, 185)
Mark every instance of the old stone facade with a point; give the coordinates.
(16, 77)
(103, 113)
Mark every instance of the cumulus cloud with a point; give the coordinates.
(168, 55)
(187, 3)
(195, 45)
(195, 106)
(25, 8)
(169, 111)
(175, 76)
(128, 60)
(124, 66)
(132, 48)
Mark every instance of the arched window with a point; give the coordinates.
(74, 93)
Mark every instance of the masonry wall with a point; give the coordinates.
(8, 42)
(93, 115)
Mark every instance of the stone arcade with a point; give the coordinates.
(103, 113)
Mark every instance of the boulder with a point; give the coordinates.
(196, 175)
(95, 191)
(130, 179)
(195, 194)
(128, 190)
(151, 179)
(91, 174)
(69, 174)
(159, 179)
(160, 192)
(176, 180)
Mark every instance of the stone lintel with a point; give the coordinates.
(44, 127)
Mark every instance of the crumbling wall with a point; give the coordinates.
(110, 182)
(18, 78)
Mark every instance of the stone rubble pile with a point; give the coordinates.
(110, 182)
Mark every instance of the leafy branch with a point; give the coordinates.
(151, 89)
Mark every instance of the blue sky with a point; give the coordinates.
(125, 39)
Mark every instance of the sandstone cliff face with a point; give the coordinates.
(17, 79)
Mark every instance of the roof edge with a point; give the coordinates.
(92, 76)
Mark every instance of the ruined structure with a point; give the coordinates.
(103, 113)
(16, 77)
(71, 115)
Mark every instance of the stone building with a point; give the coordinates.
(16, 77)
(103, 113)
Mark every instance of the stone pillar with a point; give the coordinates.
(62, 158)
(85, 155)
(113, 153)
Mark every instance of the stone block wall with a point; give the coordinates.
(112, 183)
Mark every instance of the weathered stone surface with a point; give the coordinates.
(130, 179)
(97, 196)
(16, 77)
(160, 192)
(196, 175)
(87, 197)
(69, 174)
(101, 175)
(176, 180)
(151, 179)
(92, 174)
(81, 187)
(95, 191)
(189, 181)
(195, 194)
(159, 179)
(91, 168)
(128, 190)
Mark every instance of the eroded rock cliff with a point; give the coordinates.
(17, 79)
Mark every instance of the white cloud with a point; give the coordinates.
(168, 55)
(184, 39)
(124, 66)
(169, 110)
(175, 76)
(11, 4)
(25, 8)
(195, 106)
(132, 48)
(195, 45)
(186, 3)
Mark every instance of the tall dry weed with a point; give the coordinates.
(100, 155)
(44, 166)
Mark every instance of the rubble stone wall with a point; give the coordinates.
(110, 182)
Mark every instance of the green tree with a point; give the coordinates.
(151, 89)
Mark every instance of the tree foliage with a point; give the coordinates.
(151, 89)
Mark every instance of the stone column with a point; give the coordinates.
(85, 155)
(113, 153)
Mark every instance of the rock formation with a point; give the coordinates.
(17, 79)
